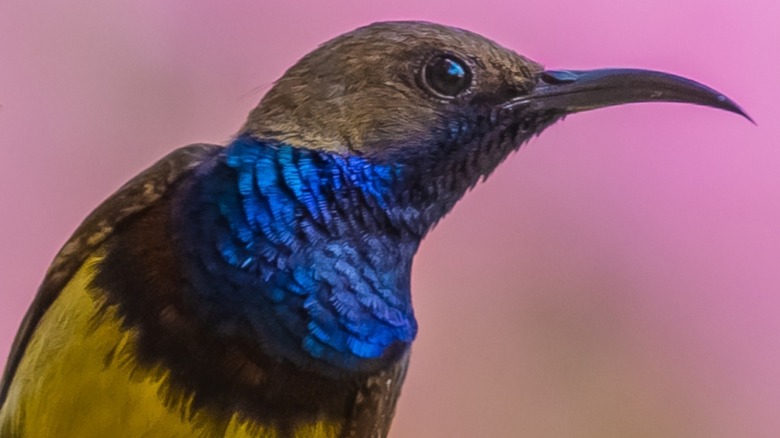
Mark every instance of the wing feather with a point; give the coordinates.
(135, 196)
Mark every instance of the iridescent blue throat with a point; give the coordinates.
(310, 249)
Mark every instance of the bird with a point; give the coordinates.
(262, 288)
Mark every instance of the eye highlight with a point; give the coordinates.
(446, 76)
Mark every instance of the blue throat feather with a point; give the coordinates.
(311, 250)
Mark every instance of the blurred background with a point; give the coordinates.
(618, 277)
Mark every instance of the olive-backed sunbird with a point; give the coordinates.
(262, 288)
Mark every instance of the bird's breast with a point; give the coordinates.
(80, 377)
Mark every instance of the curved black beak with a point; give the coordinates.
(571, 91)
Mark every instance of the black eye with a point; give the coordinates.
(446, 75)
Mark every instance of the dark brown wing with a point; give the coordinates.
(375, 402)
(135, 196)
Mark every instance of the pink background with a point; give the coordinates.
(616, 278)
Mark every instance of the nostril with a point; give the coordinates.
(554, 77)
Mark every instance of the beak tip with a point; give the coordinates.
(731, 106)
(743, 113)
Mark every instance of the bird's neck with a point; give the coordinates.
(311, 250)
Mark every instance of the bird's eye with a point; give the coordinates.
(446, 76)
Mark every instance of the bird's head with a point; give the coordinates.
(444, 101)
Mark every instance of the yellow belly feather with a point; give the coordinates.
(78, 378)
